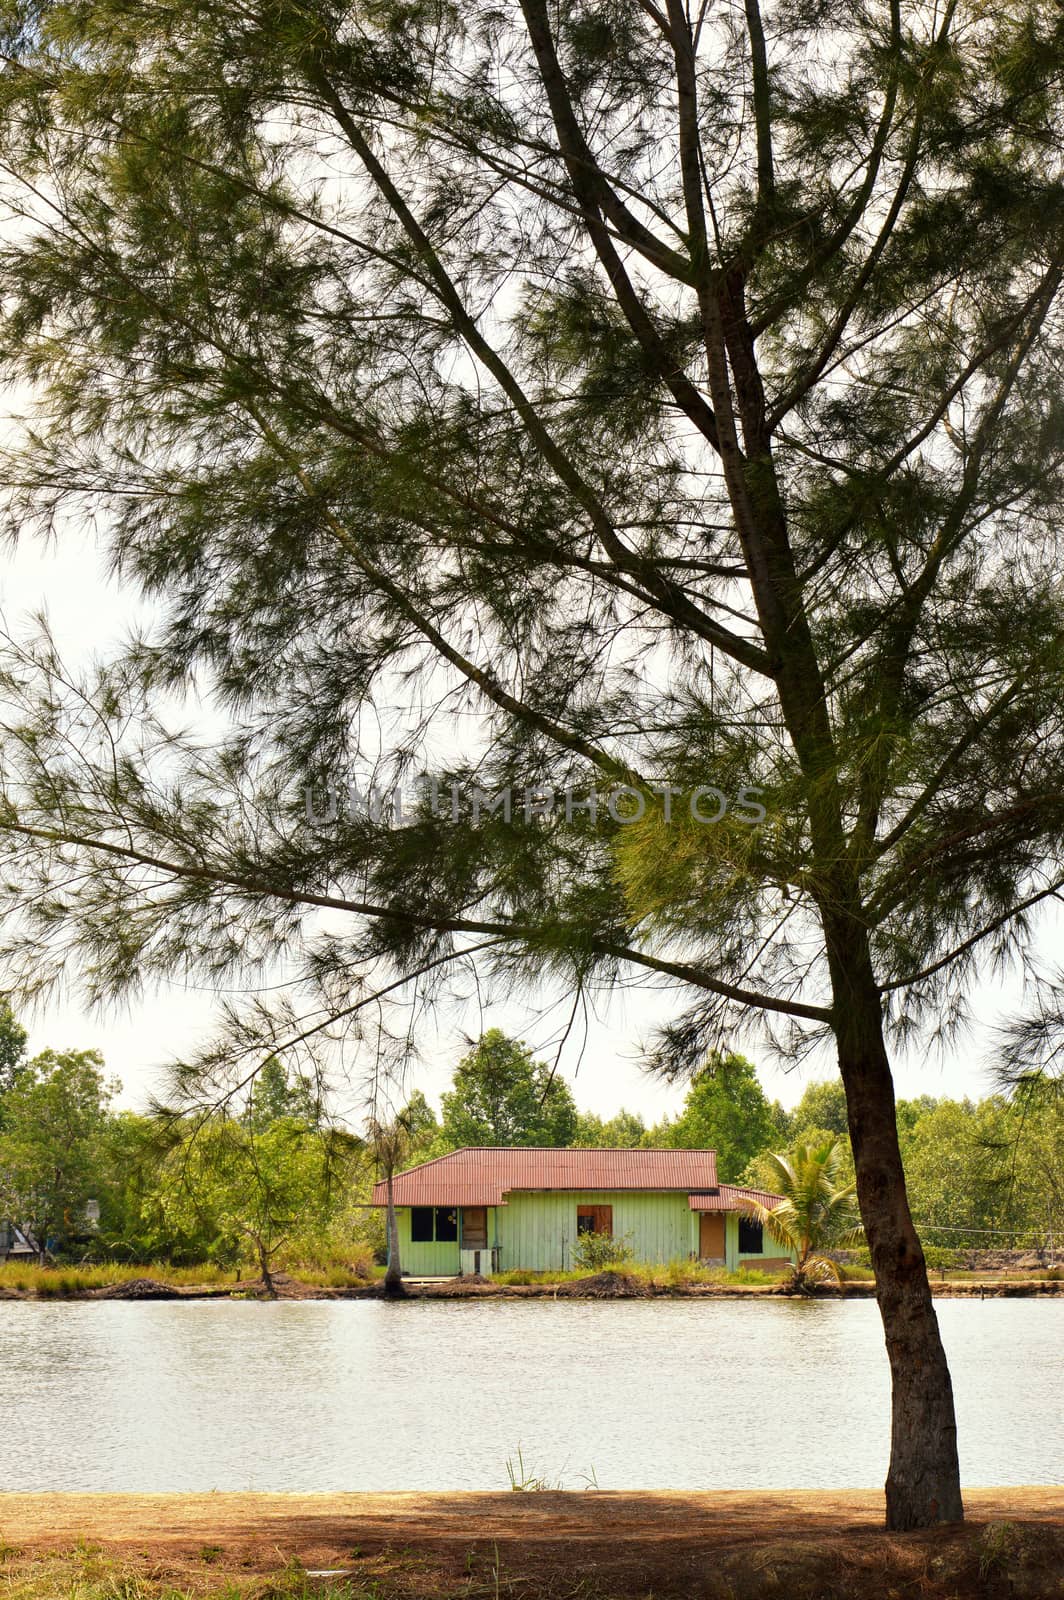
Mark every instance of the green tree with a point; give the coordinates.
(762, 1173)
(136, 1224)
(248, 1187)
(275, 1094)
(823, 1105)
(425, 1135)
(623, 404)
(725, 1110)
(56, 1119)
(958, 1167)
(1036, 1164)
(908, 1113)
(816, 1210)
(626, 1130)
(501, 1095)
(12, 1052)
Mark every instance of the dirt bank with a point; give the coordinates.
(802, 1545)
(577, 1289)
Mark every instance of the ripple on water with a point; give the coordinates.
(678, 1394)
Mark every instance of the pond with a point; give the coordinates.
(677, 1394)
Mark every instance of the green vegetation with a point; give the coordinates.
(655, 1275)
(594, 1252)
(624, 396)
(252, 1181)
(56, 1281)
(815, 1210)
(269, 1184)
(725, 1110)
(55, 1121)
(501, 1095)
(90, 1574)
(12, 1052)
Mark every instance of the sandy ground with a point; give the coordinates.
(794, 1543)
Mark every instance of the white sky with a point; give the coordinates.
(87, 613)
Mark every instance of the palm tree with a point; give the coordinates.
(390, 1143)
(814, 1209)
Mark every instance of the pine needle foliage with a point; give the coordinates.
(532, 395)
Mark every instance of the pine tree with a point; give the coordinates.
(597, 395)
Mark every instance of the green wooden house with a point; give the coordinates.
(493, 1209)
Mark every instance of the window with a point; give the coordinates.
(421, 1224)
(433, 1222)
(751, 1237)
(446, 1225)
(595, 1219)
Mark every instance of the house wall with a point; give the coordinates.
(426, 1260)
(536, 1230)
(771, 1252)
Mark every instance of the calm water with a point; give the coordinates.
(437, 1395)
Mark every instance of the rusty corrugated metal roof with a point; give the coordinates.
(729, 1197)
(484, 1176)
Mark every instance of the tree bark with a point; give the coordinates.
(264, 1268)
(393, 1278)
(923, 1480)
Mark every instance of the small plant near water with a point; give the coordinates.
(522, 1479)
(595, 1252)
(997, 1548)
(525, 1481)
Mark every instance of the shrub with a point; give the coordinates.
(754, 1277)
(940, 1257)
(593, 1252)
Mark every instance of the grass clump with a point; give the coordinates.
(85, 1573)
(522, 1277)
(673, 1275)
(55, 1281)
(58, 1281)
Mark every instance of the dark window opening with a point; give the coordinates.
(421, 1224)
(751, 1237)
(594, 1219)
(446, 1225)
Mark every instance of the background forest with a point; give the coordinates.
(275, 1180)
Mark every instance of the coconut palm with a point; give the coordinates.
(814, 1209)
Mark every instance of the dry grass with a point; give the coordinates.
(1002, 1559)
(57, 1282)
(86, 1573)
(65, 1280)
(673, 1275)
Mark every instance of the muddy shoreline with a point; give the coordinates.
(460, 1289)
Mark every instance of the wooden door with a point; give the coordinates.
(474, 1227)
(711, 1236)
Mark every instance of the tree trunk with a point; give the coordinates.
(264, 1268)
(393, 1278)
(923, 1481)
